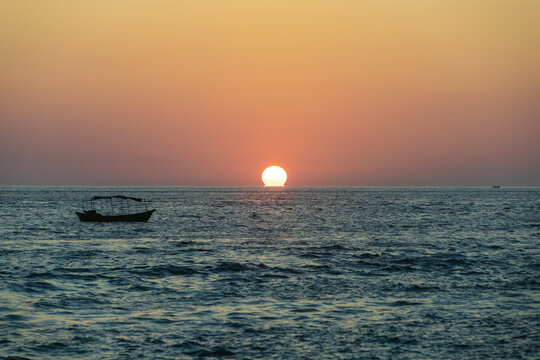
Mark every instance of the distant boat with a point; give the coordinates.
(119, 211)
(496, 186)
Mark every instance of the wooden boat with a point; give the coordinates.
(118, 212)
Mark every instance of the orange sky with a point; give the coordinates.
(209, 92)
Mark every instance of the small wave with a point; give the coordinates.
(71, 273)
(51, 346)
(393, 268)
(155, 320)
(139, 287)
(286, 270)
(183, 243)
(84, 339)
(14, 317)
(278, 276)
(217, 352)
(191, 216)
(316, 266)
(230, 266)
(531, 284)
(85, 254)
(164, 270)
(39, 275)
(367, 255)
(455, 261)
(398, 340)
(494, 247)
(188, 345)
(194, 348)
(414, 288)
(71, 270)
(39, 286)
(404, 303)
(86, 277)
(333, 247)
(196, 250)
(422, 288)
(427, 263)
(311, 255)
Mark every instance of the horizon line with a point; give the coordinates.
(271, 187)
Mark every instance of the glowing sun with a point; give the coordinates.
(274, 176)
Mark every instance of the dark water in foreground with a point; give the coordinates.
(258, 274)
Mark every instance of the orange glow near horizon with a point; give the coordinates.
(370, 92)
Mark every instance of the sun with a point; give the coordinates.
(274, 176)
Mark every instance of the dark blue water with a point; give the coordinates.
(292, 273)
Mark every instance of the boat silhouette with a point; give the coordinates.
(120, 211)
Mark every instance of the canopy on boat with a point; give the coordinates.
(116, 197)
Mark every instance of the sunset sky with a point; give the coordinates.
(210, 92)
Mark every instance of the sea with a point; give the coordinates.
(272, 273)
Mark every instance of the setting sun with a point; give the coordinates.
(274, 176)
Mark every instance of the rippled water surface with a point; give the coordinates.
(292, 273)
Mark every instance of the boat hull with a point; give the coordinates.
(95, 217)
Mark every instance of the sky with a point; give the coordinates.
(210, 92)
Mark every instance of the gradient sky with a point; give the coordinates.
(209, 92)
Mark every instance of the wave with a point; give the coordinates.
(230, 266)
(165, 270)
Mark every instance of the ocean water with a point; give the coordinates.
(254, 273)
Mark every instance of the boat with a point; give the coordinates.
(118, 209)
(496, 186)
